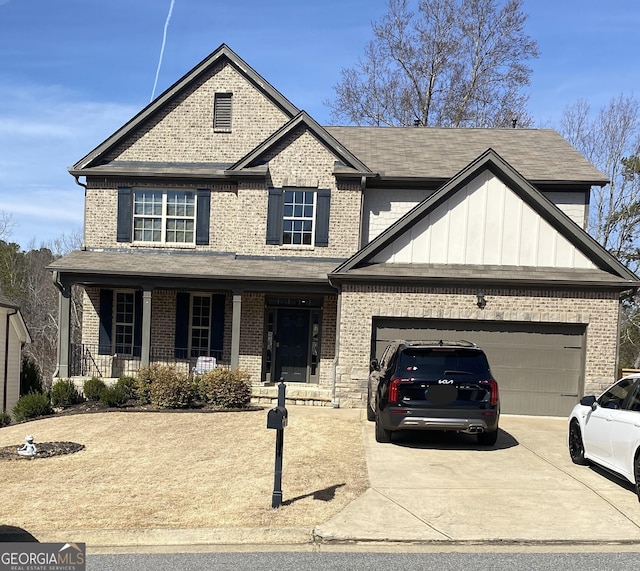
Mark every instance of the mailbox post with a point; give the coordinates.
(277, 419)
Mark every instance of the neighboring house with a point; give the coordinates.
(13, 336)
(224, 221)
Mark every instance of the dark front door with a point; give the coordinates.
(292, 345)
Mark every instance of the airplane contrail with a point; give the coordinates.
(164, 41)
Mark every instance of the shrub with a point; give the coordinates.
(128, 384)
(93, 387)
(64, 393)
(225, 388)
(165, 387)
(30, 378)
(32, 405)
(116, 395)
(5, 419)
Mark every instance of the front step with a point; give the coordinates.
(296, 393)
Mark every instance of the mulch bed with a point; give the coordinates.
(87, 407)
(44, 450)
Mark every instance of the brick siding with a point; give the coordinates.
(361, 303)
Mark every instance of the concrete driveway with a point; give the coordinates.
(445, 488)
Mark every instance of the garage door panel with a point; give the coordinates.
(536, 364)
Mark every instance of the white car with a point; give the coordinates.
(606, 430)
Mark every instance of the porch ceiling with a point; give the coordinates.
(187, 270)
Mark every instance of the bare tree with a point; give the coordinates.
(611, 141)
(7, 224)
(25, 280)
(454, 63)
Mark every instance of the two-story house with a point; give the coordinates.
(221, 220)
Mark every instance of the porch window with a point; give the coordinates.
(124, 322)
(164, 216)
(200, 325)
(120, 315)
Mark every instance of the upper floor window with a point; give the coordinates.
(178, 217)
(298, 217)
(222, 111)
(164, 216)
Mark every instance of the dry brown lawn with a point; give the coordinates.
(143, 470)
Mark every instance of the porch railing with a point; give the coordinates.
(86, 360)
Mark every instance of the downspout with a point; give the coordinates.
(334, 401)
(84, 214)
(6, 360)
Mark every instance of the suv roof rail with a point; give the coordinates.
(439, 342)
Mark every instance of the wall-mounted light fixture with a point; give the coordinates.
(481, 302)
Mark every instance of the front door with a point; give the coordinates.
(292, 345)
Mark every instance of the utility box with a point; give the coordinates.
(277, 418)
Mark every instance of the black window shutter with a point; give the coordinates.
(274, 216)
(203, 213)
(216, 339)
(125, 214)
(137, 325)
(322, 217)
(182, 325)
(106, 322)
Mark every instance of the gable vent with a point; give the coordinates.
(222, 112)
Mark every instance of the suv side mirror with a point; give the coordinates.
(374, 365)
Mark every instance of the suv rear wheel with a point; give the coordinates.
(382, 434)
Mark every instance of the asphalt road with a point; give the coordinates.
(287, 561)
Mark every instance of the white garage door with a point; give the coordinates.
(539, 366)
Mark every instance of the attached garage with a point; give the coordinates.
(539, 366)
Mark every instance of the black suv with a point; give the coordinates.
(433, 385)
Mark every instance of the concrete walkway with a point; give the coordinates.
(445, 488)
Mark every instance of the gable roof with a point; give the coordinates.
(361, 263)
(541, 156)
(349, 159)
(223, 53)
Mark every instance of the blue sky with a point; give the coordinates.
(73, 71)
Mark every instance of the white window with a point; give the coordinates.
(299, 217)
(164, 216)
(124, 322)
(200, 330)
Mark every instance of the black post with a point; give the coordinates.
(276, 498)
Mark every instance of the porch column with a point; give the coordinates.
(146, 328)
(235, 330)
(64, 331)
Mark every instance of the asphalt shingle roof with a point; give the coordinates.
(182, 265)
(540, 155)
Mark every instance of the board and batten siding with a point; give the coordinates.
(484, 223)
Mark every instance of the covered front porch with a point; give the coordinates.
(277, 322)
